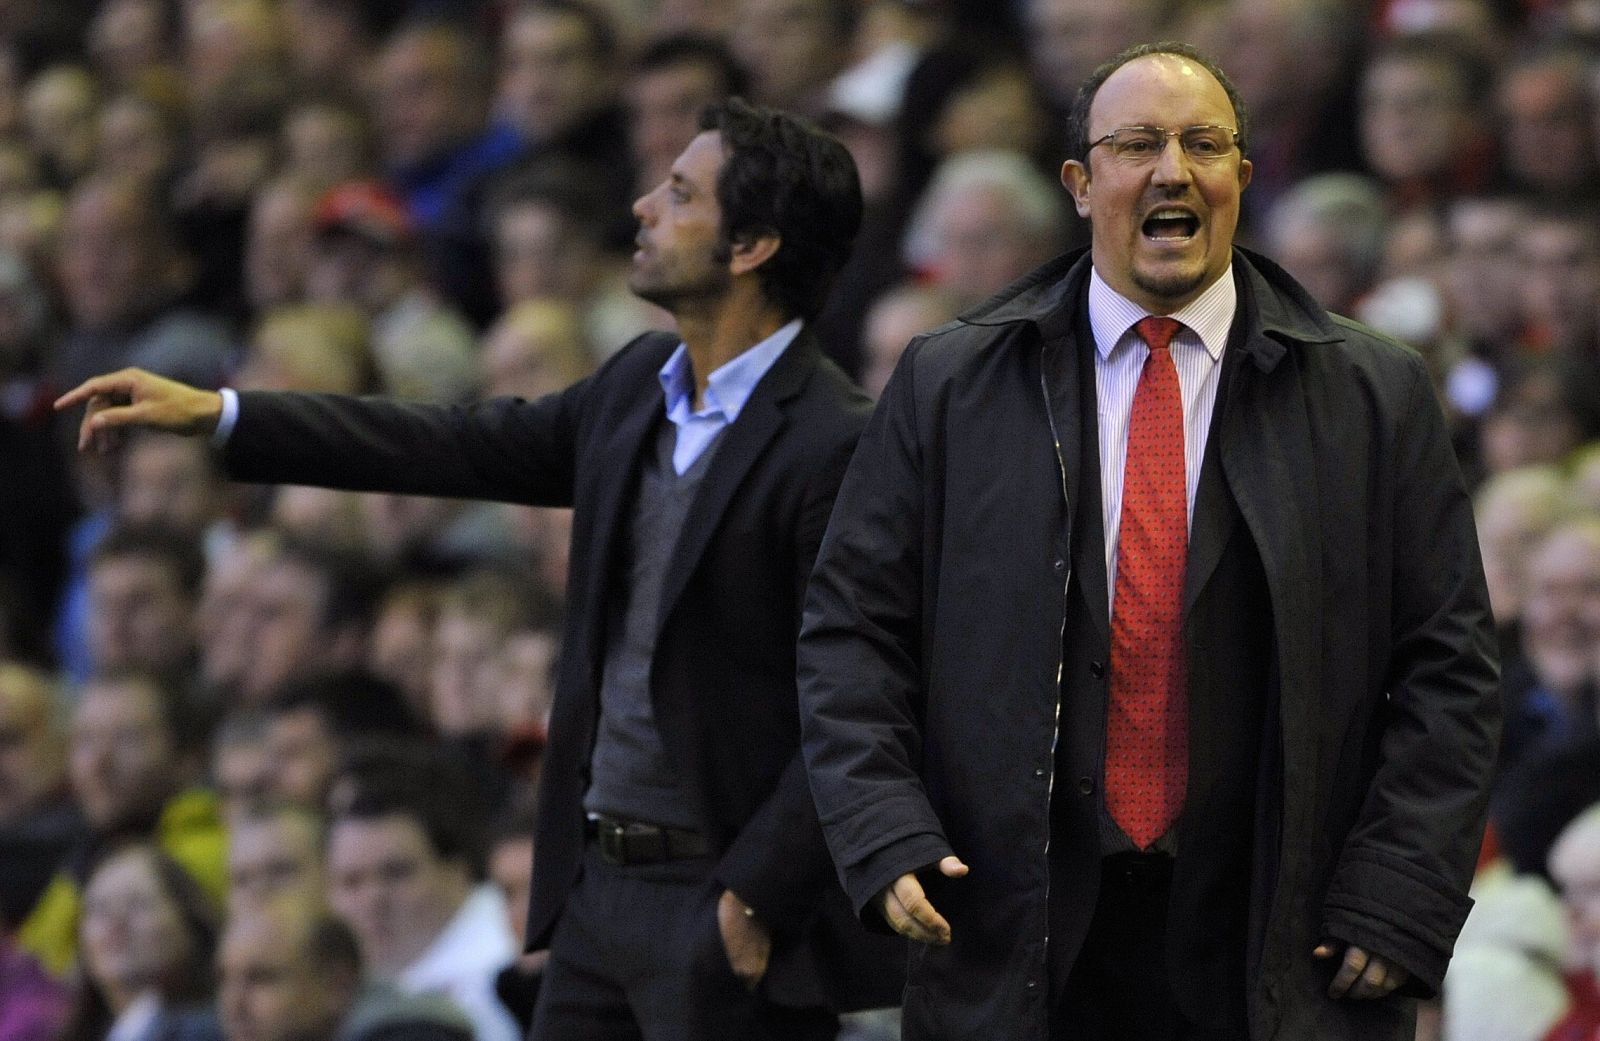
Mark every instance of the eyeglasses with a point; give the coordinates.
(1205, 143)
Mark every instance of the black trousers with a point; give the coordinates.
(637, 956)
(1118, 988)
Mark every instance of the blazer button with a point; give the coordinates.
(1060, 566)
(1085, 786)
(1038, 771)
(1097, 669)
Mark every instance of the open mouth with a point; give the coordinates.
(1171, 226)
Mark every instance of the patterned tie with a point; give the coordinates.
(1147, 737)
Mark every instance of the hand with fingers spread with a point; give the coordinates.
(1361, 974)
(135, 398)
(906, 907)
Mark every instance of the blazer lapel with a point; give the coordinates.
(740, 446)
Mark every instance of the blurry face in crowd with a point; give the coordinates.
(139, 614)
(271, 988)
(984, 243)
(391, 887)
(1068, 39)
(511, 869)
(536, 349)
(664, 105)
(32, 747)
(1549, 140)
(278, 246)
(226, 621)
(426, 103)
(286, 635)
(122, 758)
(1162, 231)
(791, 47)
(527, 662)
(324, 146)
(551, 76)
(134, 140)
(539, 254)
(170, 481)
(1530, 424)
(273, 858)
(1512, 519)
(1561, 620)
(1415, 120)
(132, 930)
(892, 322)
(112, 265)
(126, 38)
(1559, 264)
(302, 753)
(999, 110)
(242, 776)
(1482, 274)
(59, 113)
(330, 44)
(462, 698)
(348, 268)
(682, 254)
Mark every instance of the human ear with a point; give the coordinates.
(1075, 178)
(751, 251)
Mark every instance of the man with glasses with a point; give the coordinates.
(1147, 671)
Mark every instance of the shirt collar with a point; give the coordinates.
(1209, 315)
(729, 387)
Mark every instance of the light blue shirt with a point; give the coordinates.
(727, 391)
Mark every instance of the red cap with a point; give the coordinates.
(366, 208)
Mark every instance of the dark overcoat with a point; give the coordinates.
(933, 680)
(722, 679)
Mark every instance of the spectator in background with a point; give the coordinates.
(1424, 130)
(1539, 416)
(131, 41)
(140, 138)
(39, 822)
(1575, 868)
(672, 80)
(278, 241)
(1548, 119)
(58, 115)
(241, 773)
(148, 935)
(122, 275)
(33, 1005)
(1328, 232)
(1515, 510)
(510, 867)
(895, 319)
(1550, 699)
(144, 585)
(404, 872)
(432, 110)
(987, 219)
(327, 142)
(792, 50)
(1068, 39)
(537, 348)
(1483, 282)
(276, 854)
(1558, 255)
(172, 483)
(309, 347)
(134, 759)
(294, 973)
(227, 617)
(366, 253)
(315, 723)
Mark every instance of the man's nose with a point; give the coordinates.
(1172, 164)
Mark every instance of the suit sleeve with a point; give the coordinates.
(859, 661)
(504, 449)
(1400, 886)
(779, 863)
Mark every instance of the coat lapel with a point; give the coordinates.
(741, 445)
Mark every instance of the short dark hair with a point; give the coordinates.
(352, 705)
(187, 723)
(422, 783)
(351, 582)
(786, 177)
(604, 43)
(677, 49)
(1078, 116)
(332, 946)
(1473, 74)
(177, 552)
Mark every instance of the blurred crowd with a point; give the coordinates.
(268, 755)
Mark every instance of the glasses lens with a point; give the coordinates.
(1207, 142)
(1137, 142)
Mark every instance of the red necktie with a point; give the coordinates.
(1147, 735)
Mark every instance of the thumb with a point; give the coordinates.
(1323, 950)
(952, 867)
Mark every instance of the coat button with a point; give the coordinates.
(1097, 669)
(1033, 984)
(1085, 786)
(1038, 771)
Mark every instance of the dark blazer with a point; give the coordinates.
(723, 676)
(935, 680)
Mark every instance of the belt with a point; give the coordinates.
(635, 842)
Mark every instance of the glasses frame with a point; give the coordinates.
(1166, 135)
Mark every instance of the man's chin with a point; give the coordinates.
(1178, 287)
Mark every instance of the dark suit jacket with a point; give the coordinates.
(723, 676)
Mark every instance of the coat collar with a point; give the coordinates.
(1286, 314)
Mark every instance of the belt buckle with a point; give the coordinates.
(610, 840)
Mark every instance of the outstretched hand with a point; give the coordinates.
(1361, 975)
(135, 398)
(906, 908)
